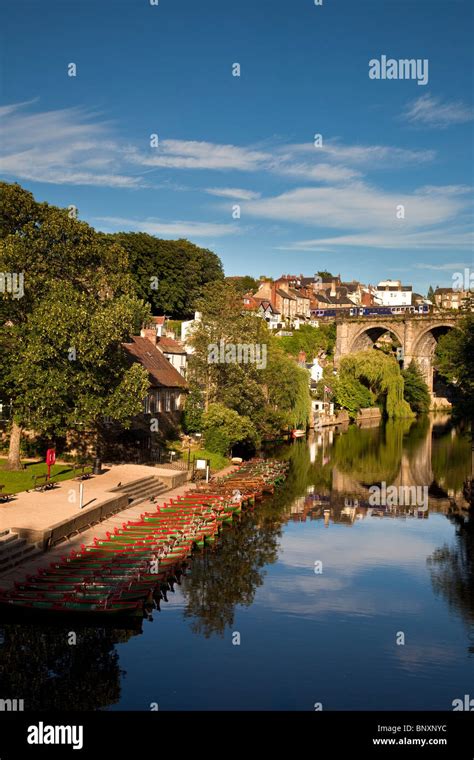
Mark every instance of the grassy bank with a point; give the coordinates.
(14, 482)
(218, 462)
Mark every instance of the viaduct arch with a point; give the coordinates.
(417, 335)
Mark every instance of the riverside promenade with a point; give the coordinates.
(36, 514)
(53, 522)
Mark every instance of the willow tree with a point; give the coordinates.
(381, 374)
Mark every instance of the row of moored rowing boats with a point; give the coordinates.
(131, 568)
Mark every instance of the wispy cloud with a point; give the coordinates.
(391, 239)
(369, 156)
(432, 112)
(233, 192)
(65, 146)
(443, 267)
(174, 229)
(358, 206)
(76, 146)
(192, 154)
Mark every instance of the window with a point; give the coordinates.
(167, 401)
(158, 402)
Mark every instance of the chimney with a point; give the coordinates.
(302, 357)
(333, 288)
(150, 333)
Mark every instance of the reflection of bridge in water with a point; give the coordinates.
(413, 472)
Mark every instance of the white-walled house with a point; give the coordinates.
(316, 371)
(186, 331)
(393, 293)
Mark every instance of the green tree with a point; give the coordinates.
(350, 394)
(454, 360)
(273, 392)
(415, 389)
(192, 420)
(70, 377)
(381, 374)
(430, 295)
(169, 274)
(245, 284)
(311, 340)
(77, 291)
(224, 427)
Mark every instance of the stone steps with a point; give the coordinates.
(14, 550)
(142, 489)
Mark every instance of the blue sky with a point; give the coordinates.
(249, 140)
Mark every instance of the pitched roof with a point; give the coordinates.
(161, 373)
(298, 294)
(267, 306)
(170, 346)
(158, 320)
(284, 294)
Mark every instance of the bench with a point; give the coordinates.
(5, 495)
(84, 470)
(43, 483)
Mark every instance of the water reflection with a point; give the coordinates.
(39, 665)
(452, 571)
(383, 568)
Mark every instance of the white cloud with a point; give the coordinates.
(358, 206)
(232, 192)
(443, 267)
(429, 240)
(61, 147)
(192, 154)
(175, 229)
(317, 172)
(371, 156)
(432, 112)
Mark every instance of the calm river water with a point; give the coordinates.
(315, 597)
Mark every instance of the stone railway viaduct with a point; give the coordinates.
(417, 335)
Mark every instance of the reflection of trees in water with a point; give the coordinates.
(38, 665)
(372, 455)
(375, 454)
(231, 574)
(451, 459)
(303, 472)
(452, 570)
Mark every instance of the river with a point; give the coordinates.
(315, 600)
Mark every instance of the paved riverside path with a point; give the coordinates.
(39, 509)
(114, 476)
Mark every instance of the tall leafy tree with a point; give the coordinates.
(454, 360)
(77, 291)
(169, 274)
(245, 284)
(273, 392)
(415, 390)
